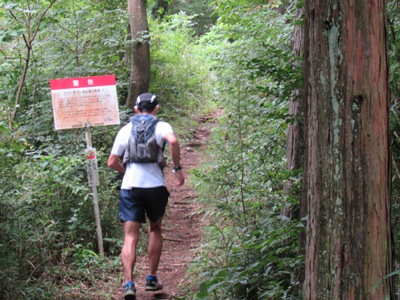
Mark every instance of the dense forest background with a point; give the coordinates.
(234, 55)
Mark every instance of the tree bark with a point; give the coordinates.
(346, 171)
(294, 135)
(140, 55)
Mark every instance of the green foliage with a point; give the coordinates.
(258, 261)
(394, 48)
(11, 149)
(201, 12)
(48, 245)
(85, 42)
(46, 205)
(49, 214)
(179, 72)
(160, 8)
(394, 74)
(252, 250)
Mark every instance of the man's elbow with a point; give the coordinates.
(173, 143)
(111, 161)
(172, 140)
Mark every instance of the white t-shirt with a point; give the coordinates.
(142, 175)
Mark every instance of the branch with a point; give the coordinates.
(41, 18)
(14, 16)
(28, 43)
(396, 167)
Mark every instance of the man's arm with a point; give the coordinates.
(174, 148)
(175, 155)
(115, 163)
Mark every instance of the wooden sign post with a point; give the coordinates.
(83, 103)
(93, 177)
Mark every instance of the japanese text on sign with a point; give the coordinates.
(88, 101)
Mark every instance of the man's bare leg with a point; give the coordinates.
(155, 246)
(128, 254)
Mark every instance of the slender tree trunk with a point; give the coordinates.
(294, 135)
(32, 29)
(140, 59)
(346, 170)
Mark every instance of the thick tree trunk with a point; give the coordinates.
(346, 170)
(140, 59)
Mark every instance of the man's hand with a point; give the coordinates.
(180, 178)
(115, 163)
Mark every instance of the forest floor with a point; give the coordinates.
(182, 225)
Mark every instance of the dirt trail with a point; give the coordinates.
(181, 225)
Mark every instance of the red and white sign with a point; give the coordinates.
(90, 153)
(93, 172)
(85, 101)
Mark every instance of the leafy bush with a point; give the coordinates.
(394, 84)
(252, 250)
(179, 74)
(49, 213)
(11, 149)
(47, 232)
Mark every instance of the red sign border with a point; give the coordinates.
(82, 82)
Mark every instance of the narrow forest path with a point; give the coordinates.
(182, 224)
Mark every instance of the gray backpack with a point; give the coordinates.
(143, 146)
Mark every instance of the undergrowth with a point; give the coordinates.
(250, 249)
(48, 242)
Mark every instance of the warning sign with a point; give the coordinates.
(86, 101)
(93, 172)
(90, 153)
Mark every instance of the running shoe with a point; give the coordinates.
(152, 284)
(130, 291)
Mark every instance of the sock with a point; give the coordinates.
(152, 278)
(129, 283)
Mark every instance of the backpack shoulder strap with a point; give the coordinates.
(144, 117)
(149, 121)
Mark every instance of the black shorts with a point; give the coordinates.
(137, 203)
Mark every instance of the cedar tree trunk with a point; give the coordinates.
(346, 170)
